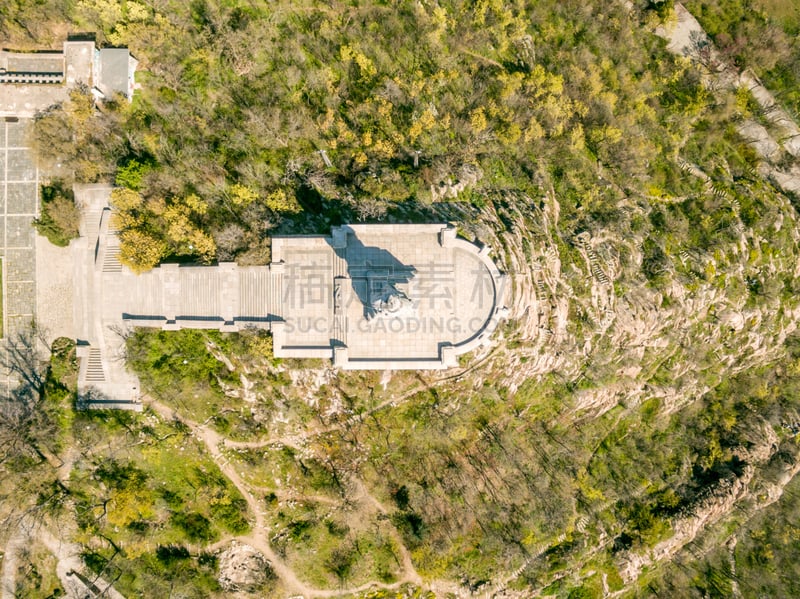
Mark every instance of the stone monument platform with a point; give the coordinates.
(366, 297)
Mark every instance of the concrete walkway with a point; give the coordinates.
(19, 196)
(54, 290)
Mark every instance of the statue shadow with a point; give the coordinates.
(376, 275)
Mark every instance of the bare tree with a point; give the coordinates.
(702, 49)
(28, 429)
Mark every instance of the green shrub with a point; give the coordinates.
(169, 554)
(131, 173)
(195, 525)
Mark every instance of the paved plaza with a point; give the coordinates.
(19, 196)
(385, 296)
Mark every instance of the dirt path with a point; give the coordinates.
(408, 566)
(257, 538)
(289, 496)
(296, 440)
(212, 440)
(68, 567)
(293, 442)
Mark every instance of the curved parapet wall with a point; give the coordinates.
(498, 284)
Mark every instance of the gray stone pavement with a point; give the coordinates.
(54, 290)
(449, 296)
(19, 199)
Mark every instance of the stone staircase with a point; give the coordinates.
(260, 290)
(171, 290)
(111, 261)
(94, 372)
(582, 240)
(105, 385)
(146, 297)
(199, 292)
(90, 226)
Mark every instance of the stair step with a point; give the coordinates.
(94, 367)
(111, 261)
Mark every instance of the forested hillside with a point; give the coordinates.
(632, 432)
(239, 100)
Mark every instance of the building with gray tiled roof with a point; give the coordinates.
(33, 81)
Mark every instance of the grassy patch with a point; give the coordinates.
(201, 373)
(36, 572)
(161, 491)
(179, 368)
(284, 468)
(329, 547)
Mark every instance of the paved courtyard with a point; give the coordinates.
(29, 83)
(385, 296)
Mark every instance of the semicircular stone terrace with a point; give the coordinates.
(381, 296)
